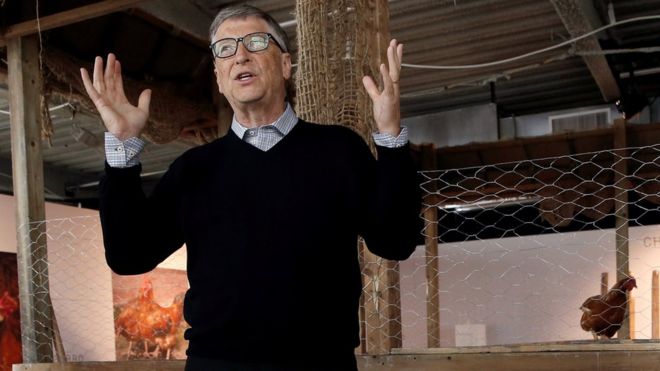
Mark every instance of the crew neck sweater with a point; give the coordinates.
(271, 237)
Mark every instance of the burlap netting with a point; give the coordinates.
(336, 39)
(169, 114)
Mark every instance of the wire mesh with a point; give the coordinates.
(510, 253)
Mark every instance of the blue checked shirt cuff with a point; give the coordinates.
(387, 140)
(122, 154)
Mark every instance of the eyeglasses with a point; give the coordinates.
(253, 42)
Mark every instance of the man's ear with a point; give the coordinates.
(286, 65)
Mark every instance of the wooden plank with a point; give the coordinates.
(540, 361)
(630, 360)
(574, 15)
(65, 18)
(432, 277)
(613, 345)
(168, 365)
(382, 304)
(24, 80)
(631, 315)
(429, 162)
(182, 16)
(655, 305)
(621, 184)
(362, 349)
(382, 35)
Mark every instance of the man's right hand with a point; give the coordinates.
(121, 118)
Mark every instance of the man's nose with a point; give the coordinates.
(242, 54)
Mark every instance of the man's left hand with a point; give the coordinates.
(387, 113)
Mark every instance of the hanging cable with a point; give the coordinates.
(503, 61)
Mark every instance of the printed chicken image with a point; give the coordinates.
(603, 314)
(149, 328)
(10, 333)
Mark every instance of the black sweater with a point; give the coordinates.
(271, 237)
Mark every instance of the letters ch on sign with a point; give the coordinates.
(653, 241)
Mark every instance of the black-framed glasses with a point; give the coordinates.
(253, 42)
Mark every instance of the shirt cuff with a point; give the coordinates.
(387, 140)
(122, 154)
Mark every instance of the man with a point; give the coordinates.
(270, 213)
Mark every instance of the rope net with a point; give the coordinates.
(335, 51)
(508, 255)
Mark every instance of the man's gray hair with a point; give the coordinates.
(244, 11)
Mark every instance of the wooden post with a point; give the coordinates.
(631, 315)
(604, 283)
(621, 210)
(655, 305)
(432, 279)
(382, 304)
(362, 349)
(383, 307)
(24, 80)
(431, 252)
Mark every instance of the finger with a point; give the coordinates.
(388, 82)
(119, 82)
(370, 87)
(393, 61)
(144, 100)
(98, 75)
(89, 87)
(108, 76)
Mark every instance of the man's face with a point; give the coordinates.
(252, 79)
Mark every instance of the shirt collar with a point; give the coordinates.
(284, 124)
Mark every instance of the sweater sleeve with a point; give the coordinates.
(393, 200)
(139, 232)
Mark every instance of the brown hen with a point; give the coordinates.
(603, 314)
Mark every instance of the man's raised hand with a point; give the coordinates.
(387, 112)
(121, 118)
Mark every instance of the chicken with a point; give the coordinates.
(603, 314)
(174, 314)
(142, 319)
(10, 333)
(128, 321)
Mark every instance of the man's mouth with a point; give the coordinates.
(243, 76)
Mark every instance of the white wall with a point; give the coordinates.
(80, 282)
(525, 289)
(475, 124)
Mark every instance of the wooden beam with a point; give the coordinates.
(429, 162)
(612, 357)
(65, 18)
(432, 278)
(621, 186)
(655, 305)
(631, 315)
(604, 283)
(24, 80)
(575, 16)
(183, 16)
(382, 304)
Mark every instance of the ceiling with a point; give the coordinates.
(163, 43)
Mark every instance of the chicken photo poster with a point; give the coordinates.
(10, 322)
(148, 314)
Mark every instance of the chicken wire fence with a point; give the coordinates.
(508, 254)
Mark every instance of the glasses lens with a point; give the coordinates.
(256, 41)
(224, 48)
